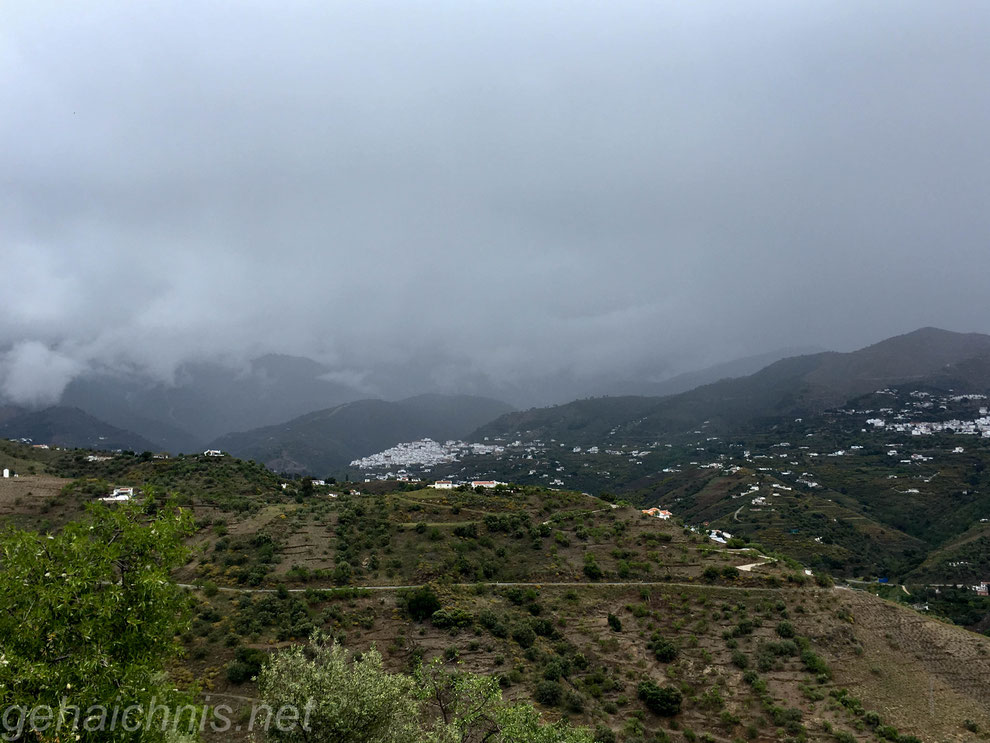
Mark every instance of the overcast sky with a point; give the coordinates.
(504, 188)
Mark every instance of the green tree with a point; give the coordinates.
(339, 699)
(421, 603)
(467, 708)
(306, 487)
(660, 700)
(345, 699)
(90, 614)
(591, 567)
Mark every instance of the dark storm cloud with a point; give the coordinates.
(484, 189)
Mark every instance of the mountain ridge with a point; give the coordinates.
(72, 428)
(788, 387)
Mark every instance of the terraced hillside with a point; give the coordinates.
(585, 607)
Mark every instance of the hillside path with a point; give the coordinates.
(532, 584)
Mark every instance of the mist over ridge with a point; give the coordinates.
(515, 200)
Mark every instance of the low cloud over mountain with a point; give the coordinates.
(520, 199)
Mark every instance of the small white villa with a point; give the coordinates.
(119, 495)
(486, 483)
(658, 513)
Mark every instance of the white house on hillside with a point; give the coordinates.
(658, 513)
(119, 495)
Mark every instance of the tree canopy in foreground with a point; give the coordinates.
(89, 616)
(354, 699)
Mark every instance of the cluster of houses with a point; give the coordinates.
(923, 401)
(450, 484)
(423, 453)
(400, 476)
(977, 427)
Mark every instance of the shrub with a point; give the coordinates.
(245, 666)
(785, 716)
(814, 663)
(664, 701)
(711, 573)
(548, 693)
(556, 669)
(421, 603)
(524, 635)
(591, 568)
(888, 732)
(615, 623)
(665, 650)
(543, 627)
(872, 719)
(574, 702)
(785, 629)
(447, 618)
(745, 627)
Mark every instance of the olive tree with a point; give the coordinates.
(467, 708)
(89, 616)
(342, 698)
(339, 698)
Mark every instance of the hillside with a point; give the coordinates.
(327, 440)
(797, 386)
(571, 602)
(687, 381)
(888, 486)
(71, 428)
